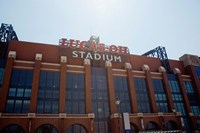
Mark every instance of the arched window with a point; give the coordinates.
(134, 128)
(151, 126)
(46, 129)
(76, 128)
(171, 125)
(13, 129)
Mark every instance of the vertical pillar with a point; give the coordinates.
(115, 117)
(161, 120)
(111, 91)
(182, 87)
(185, 98)
(6, 80)
(167, 88)
(150, 88)
(88, 94)
(62, 97)
(132, 93)
(35, 84)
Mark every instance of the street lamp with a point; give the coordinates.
(173, 110)
(117, 102)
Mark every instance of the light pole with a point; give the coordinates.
(117, 102)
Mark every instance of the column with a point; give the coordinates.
(88, 94)
(111, 91)
(36, 78)
(6, 80)
(62, 96)
(167, 88)
(132, 93)
(182, 87)
(150, 88)
(115, 118)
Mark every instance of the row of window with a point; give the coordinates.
(17, 106)
(48, 94)
(18, 100)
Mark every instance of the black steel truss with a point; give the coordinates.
(160, 52)
(7, 33)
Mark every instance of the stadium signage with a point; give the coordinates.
(93, 46)
(94, 50)
(96, 56)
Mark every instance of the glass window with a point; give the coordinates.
(26, 104)
(27, 92)
(18, 106)
(9, 106)
(192, 96)
(19, 92)
(100, 98)
(2, 69)
(40, 107)
(197, 69)
(13, 129)
(160, 95)
(48, 92)
(75, 93)
(76, 129)
(142, 95)
(122, 93)
(47, 107)
(46, 129)
(12, 92)
(177, 97)
(1, 75)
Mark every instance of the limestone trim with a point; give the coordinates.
(127, 65)
(145, 67)
(22, 61)
(75, 66)
(50, 64)
(86, 62)
(23, 67)
(161, 69)
(38, 56)
(176, 70)
(12, 54)
(108, 64)
(63, 59)
(73, 71)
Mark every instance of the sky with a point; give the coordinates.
(141, 25)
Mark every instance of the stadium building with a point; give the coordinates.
(89, 87)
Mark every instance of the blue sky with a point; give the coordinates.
(140, 25)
